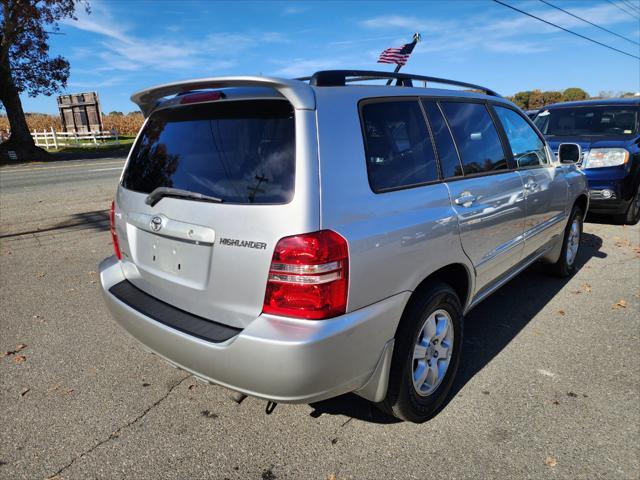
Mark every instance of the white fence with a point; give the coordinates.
(53, 139)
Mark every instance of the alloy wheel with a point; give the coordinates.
(432, 352)
(573, 241)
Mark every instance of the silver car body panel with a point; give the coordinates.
(218, 281)
(277, 358)
(547, 204)
(492, 226)
(394, 232)
(396, 240)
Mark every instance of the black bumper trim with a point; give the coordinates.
(171, 316)
(611, 207)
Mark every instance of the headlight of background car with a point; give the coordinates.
(606, 157)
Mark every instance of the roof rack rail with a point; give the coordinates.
(339, 78)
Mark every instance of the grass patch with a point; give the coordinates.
(124, 144)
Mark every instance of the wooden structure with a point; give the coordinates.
(80, 112)
(52, 139)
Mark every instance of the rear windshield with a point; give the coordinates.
(601, 120)
(241, 151)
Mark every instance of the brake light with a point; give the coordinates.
(201, 97)
(308, 277)
(114, 235)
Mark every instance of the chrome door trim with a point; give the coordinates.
(501, 249)
(502, 281)
(532, 232)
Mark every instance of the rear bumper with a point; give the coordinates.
(276, 358)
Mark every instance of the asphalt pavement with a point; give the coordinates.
(37, 197)
(549, 386)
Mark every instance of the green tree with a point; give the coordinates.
(536, 100)
(116, 113)
(551, 97)
(25, 64)
(573, 94)
(522, 99)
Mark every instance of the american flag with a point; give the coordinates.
(397, 55)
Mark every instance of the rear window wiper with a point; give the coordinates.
(161, 192)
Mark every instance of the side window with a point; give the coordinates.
(449, 161)
(476, 136)
(527, 147)
(398, 148)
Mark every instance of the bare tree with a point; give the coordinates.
(25, 64)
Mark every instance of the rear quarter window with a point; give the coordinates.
(398, 148)
(240, 151)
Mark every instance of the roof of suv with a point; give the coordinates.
(600, 101)
(301, 94)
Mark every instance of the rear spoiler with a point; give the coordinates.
(300, 94)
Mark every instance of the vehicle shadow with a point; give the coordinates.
(602, 219)
(76, 153)
(116, 151)
(489, 328)
(95, 220)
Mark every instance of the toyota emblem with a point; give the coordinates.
(156, 224)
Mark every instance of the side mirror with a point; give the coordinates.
(569, 153)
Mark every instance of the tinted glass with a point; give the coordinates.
(242, 152)
(397, 145)
(476, 136)
(588, 121)
(449, 161)
(527, 147)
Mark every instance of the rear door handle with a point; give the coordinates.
(466, 199)
(531, 185)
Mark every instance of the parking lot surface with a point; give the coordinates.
(549, 386)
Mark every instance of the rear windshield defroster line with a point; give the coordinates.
(240, 152)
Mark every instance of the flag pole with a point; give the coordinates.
(416, 39)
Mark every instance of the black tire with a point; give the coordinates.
(633, 212)
(403, 400)
(563, 267)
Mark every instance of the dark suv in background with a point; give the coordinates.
(608, 133)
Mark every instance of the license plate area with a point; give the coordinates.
(180, 261)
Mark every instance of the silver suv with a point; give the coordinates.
(295, 240)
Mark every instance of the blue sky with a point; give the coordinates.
(123, 46)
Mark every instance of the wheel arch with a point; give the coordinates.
(456, 275)
(582, 201)
(459, 276)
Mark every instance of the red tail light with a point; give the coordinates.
(114, 235)
(308, 277)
